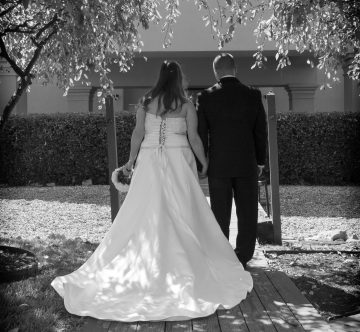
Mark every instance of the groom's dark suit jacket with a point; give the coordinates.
(232, 127)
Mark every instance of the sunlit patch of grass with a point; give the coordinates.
(320, 201)
(32, 304)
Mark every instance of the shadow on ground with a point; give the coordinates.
(32, 304)
(331, 282)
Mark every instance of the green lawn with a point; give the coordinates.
(32, 304)
(63, 225)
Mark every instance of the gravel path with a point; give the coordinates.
(84, 212)
(320, 201)
(308, 227)
(34, 218)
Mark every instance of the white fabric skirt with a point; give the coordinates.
(164, 257)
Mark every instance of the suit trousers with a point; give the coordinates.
(245, 194)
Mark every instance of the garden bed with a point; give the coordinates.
(16, 264)
(327, 274)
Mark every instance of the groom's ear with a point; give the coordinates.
(196, 100)
(216, 74)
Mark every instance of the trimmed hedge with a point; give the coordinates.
(67, 149)
(64, 148)
(319, 148)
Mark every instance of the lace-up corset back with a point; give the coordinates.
(167, 132)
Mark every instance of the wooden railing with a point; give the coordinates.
(274, 166)
(112, 154)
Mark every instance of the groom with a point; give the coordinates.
(232, 126)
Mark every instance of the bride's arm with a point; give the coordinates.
(136, 137)
(194, 138)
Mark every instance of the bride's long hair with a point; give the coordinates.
(168, 88)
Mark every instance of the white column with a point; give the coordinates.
(301, 97)
(78, 98)
(118, 100)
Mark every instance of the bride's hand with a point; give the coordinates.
(203, 172)
(126, 169)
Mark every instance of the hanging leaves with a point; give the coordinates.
(62, 40)
(328, 29)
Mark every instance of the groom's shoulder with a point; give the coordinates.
(215, 87)
(250, 91)
(209, 90)
(254, 90)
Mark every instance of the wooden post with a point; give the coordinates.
(351, 88)
(112, 154)
(274, 166)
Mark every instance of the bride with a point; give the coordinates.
(164, 257)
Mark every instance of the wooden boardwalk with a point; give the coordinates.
(275, 304)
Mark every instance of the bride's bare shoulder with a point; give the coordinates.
(153, 106)
(188, 107)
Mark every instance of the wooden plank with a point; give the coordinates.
(303, 310)
(151, 327)
(346, 324)
(178, 326)
(95, 325)
(112, 154)
(122, 327)
(206, 324)
(258, 260)
(232, 320)
(274, 166)
(255, 315)
(280, 314)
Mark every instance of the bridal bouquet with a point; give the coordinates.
(120, 180)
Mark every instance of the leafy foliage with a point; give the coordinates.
(63, 40)
(70, 148)
(328, 30)
(86, 34)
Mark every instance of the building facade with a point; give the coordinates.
(297, 87)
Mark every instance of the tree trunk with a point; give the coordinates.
(13, 101)
(26, 76)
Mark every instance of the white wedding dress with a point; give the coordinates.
(164, 257)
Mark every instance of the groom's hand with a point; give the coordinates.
(203, 173)
(260, 169)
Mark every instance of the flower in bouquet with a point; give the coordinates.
(120, 180)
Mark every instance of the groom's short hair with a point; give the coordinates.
(224, 62)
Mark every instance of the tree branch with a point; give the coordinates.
(12, 63)
(34, 42)
(17, 29)
(25, 24)
(38, 51)
(13, 101)
(26, 76)
(4, 12)
(46, 26)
